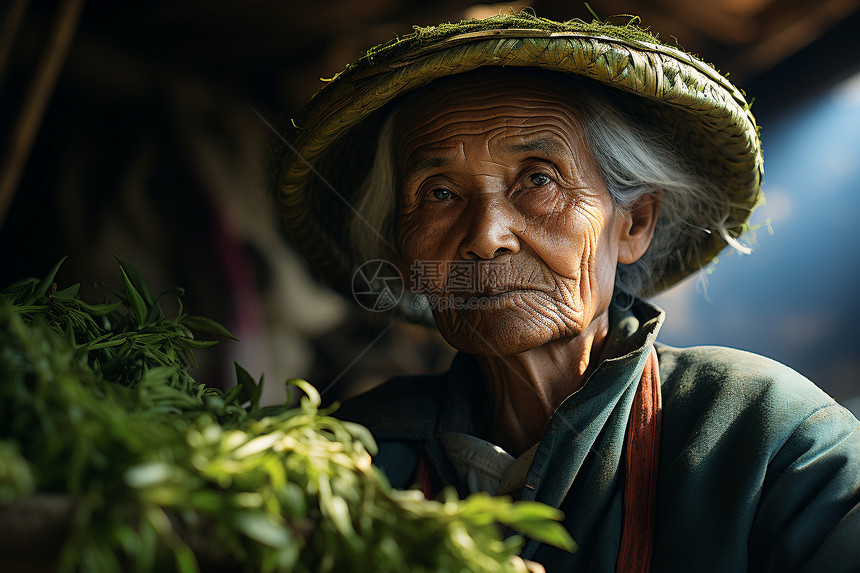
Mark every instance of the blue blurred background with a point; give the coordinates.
(793, 298)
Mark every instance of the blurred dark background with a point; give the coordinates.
(129, 129)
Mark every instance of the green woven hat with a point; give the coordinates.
(332, 145)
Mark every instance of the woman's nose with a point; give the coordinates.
(491, 230)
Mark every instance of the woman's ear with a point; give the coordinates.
(637, 228)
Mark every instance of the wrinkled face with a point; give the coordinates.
(496, 177)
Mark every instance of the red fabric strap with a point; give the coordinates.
(642, 446)
(424, 478)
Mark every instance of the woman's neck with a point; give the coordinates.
(527, 388)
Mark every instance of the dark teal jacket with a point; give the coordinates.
(759, 469)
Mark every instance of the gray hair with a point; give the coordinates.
(635, 159)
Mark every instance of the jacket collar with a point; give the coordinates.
(417, 408)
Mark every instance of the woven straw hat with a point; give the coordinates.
(332, 144)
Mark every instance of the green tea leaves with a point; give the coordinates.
(538, 521)
(133, 299)
(259, 527)
(166, 474)
(137, 282)
(41, 289)
(250, 390)
(206, 326)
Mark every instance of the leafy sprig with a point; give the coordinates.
(167, 474)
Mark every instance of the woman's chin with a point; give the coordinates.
(497, 332)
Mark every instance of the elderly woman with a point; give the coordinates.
(534, 180)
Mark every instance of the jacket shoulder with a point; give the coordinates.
(708, 374)
(778, 458)
(719, 399)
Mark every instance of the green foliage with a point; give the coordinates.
(167, 474)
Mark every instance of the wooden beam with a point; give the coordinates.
(8, 33)
(35, 101)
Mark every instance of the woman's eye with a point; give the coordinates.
(440, 194)
(539, 179)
